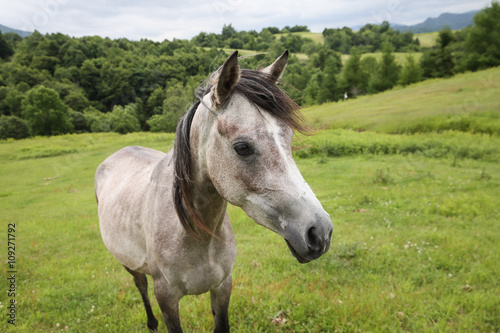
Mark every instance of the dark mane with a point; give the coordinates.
(259, 89)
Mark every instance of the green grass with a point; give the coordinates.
(416, 228)
(414, 246)
(400, 57)
(315, 36)
(467, 102)
(427, 39)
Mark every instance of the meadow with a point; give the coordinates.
(415, 214)
(467, 102)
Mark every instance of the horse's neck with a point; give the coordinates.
(208, 202)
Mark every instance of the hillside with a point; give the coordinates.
(466, 102)
(4, 30)
(454, 21)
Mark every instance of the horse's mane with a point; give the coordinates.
(259, 89)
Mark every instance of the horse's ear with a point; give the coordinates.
(227, 77)
(276, 69)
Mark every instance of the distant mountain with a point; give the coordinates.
(454, 21)
(21, 33)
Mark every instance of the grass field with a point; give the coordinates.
(315, 36)
(427, 39)
(400, 57)
(467, 102)
(415, 244)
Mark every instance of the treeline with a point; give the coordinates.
(54, 84)
(367, 39)
(370, 38)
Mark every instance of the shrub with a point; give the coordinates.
(78, 120)
(96, 120)
(13, 127)
(123, 121)
(45, 112)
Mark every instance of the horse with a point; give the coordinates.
(165, 215)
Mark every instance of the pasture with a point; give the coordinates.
(467, 102)
(415, 243)
(427, 39)
(400, 57)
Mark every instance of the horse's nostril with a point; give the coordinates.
(313, 240)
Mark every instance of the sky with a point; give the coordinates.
(183, 19)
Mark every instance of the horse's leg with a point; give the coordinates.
(220, 305)
(141, 282)
(169, 305)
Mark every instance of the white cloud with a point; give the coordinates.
(159, 19)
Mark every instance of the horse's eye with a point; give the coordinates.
(243, 149)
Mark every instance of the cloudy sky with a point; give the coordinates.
(167, 19)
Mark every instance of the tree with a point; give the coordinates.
(439, 62)
(123, 120)
(483, 41)
(6, 49)
(354, 80)
(78, 121)
(96, 120)
(177, 101)
(312, 88)
(89, 78)
(387, 74)
(228, 31)
(154, 104)
(328, 88)
(13, 127)
(13, 102)
(45, 112)
(411, 72)
(76, 100)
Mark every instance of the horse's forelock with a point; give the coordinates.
(261, 90)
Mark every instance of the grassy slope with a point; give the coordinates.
(415, 246)
(427, 39)
(465, 95)
(400, 56)
(315, 36)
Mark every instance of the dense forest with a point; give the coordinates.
(54, 84)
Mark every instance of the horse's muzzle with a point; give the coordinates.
(317, 244)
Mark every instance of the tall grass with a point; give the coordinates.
(339, 142)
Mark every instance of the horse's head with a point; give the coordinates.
(247, 149)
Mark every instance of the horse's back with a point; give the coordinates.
(121, 185)
(129, 160)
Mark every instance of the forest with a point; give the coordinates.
(54, 84)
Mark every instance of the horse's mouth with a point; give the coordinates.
(296, 255)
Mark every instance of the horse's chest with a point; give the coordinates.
(201, 279)
(200, 272)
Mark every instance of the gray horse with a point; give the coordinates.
(165, 214)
